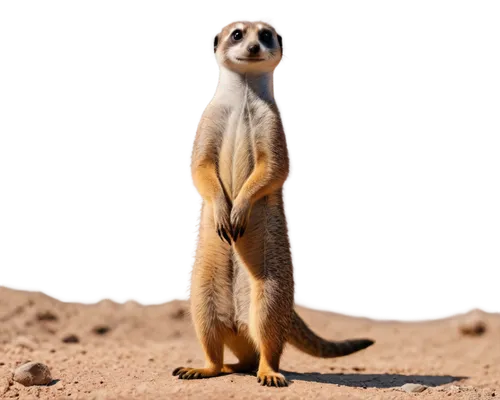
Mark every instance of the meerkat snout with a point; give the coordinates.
(254, 49)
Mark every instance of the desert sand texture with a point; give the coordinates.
(128, 351)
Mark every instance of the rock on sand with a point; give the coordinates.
(413, 388)
(32, 373)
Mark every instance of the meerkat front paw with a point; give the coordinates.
(222, 219)
(239, 217)
(195, 373)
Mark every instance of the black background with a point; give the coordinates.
(394, 194)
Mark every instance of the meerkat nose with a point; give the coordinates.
(253, 49)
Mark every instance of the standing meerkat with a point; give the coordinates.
(242, 288)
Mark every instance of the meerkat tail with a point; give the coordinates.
(303, 338)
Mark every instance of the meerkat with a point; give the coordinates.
(242, 286)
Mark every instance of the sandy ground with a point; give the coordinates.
(124, 351)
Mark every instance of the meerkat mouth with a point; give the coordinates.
(250, 59)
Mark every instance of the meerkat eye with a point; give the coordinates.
(237, 35)
(266, 37)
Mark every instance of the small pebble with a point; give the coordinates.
(33, 373)
(454, 388)
(71, 339)
(473, 327)
(413, 388)
(101, 329)
(46, 316)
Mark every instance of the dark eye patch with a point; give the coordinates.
(266, 37)
(216, 43)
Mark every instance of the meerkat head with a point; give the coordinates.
(248, 47)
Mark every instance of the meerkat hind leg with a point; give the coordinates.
(210, 289)
(264, 253)
(214, 350)
(270, 343)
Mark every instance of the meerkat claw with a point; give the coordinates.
(226, 236)
(236, 232)
(194, 373)
(275, 379)
(221, 231)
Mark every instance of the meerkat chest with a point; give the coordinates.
(245, 118)
(237, 155)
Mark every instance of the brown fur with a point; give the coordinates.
(242, 287)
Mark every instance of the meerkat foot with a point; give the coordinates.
(271, 378)
(195, 373)
(238, 368)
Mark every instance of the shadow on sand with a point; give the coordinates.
(380, 381)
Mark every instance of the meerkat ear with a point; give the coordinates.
(281, 42)
(214, 41)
